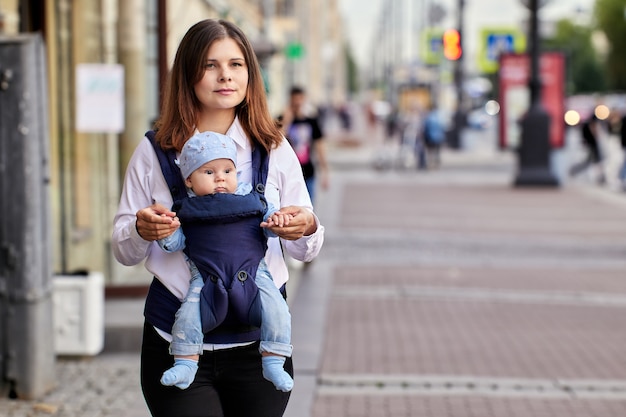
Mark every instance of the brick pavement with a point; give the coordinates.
(106, 385)
(449, 296)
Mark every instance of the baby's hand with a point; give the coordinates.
(277, 219)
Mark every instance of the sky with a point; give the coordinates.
(362, 17)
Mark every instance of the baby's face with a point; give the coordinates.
(216, 176)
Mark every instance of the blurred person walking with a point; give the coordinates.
(345, 117)
(412, 136)
(434, 136)
(590, 134)
(622, 138)
(302, 129)
(392, 124)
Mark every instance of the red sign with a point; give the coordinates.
(515, 96)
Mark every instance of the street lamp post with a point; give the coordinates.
(454, 138)
(534, 152)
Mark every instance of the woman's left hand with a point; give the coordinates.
(301, 223)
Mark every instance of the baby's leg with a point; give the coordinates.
(182, 373)
(187, 337)
(275, 330)
(274, 371)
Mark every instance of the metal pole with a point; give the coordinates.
(26, 329)
(534, 152)
(534, 83)
(454, 138)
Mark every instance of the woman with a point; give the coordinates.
(215, 85)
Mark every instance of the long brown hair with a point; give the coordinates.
(181, 107)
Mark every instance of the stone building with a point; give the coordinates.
(139, 37)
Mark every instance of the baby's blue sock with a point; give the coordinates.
(274, 372)
(181, 374)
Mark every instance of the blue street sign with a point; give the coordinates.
(497, 44)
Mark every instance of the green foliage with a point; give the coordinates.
(585, 69)
(611, 19)
(590, 77)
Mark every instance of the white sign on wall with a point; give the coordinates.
(99, 98)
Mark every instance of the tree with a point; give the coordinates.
(585, 70)
(611, 19)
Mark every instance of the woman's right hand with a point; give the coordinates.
(156, 222)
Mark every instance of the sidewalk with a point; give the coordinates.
(441, 293)
(451, 293)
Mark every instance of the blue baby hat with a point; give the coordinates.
(204, 147)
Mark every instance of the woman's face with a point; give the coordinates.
(225, 79)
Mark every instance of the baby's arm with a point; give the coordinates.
(174, 242)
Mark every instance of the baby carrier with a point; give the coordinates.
(224, 240)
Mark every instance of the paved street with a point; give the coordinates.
(439, 293)
(450, 293)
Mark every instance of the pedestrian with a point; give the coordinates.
(434, 135)
(413, 135)
(215, 84)
(590, 136)
(208, 165)
(622, 138)
(392, 124)
(345, 117)
(303, 131)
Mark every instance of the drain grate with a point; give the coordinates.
(367, 384)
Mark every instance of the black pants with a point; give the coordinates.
(229, 383)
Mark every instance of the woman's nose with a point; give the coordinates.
(225, 76)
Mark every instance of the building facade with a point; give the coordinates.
(141, 36)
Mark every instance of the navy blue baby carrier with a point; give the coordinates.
(224, 240)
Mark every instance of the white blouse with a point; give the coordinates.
(144, 185)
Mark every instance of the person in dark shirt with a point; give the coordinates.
(303, 131)
(589, 130)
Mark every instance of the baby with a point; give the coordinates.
(208, 165)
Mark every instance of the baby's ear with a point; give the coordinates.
(188, 182)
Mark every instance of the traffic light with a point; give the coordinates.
(452, 44)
